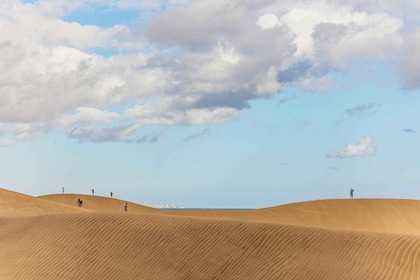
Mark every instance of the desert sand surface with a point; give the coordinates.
(13, 203)
(48, 237)
(380, 215)
(97, 203)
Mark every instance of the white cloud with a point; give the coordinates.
(217, 115)
(268, 21)
(20, 132)
(361, 148)
(198, 61)
(367, 34)
(29, 24)
(318, 84)
(170, 112)
(269, 85)
(87, 115)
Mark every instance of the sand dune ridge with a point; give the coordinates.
(295, 241)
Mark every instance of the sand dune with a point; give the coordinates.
(98, 203)
(381, 215)
(21, 204)
(207, 244)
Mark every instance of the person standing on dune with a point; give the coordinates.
(111, 194)
(351, 193)
(93, 191)
(62, 190)
(126, 207)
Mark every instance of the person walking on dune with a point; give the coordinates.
(351, 193)
(111, 194)
(93, 191)
(126, 207)
(62, 190)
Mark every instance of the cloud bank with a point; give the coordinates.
(192, 63)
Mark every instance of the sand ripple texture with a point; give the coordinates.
(206, 244)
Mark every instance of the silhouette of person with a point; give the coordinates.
(111, 194)
(80, 202)
(93, 191)
(351, 193)
(62, 189)
(126, 207)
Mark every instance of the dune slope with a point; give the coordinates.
(21, 204)
(150, 246)
(49, 237)
(98, 203)
(380, 215)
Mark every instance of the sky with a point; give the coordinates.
(211, 103)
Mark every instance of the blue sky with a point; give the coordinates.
(208, 105)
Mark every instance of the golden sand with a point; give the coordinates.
(50, 237)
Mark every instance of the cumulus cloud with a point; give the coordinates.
(362, 147)
(13, 134)
(193, 63)
(268, 21)
(167, 113)
(85, 115)
(338, 33)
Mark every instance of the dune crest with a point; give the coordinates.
(21, 204)
(380, 215)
